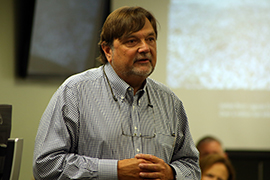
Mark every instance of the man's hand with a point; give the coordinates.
(157, 169)
(129, 168)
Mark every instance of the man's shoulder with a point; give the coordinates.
(87, 76)
(158, 86)
(161, 92)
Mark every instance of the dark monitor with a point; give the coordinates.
(58, 38)
(5, 123)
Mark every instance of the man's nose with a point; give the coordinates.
(144, 47)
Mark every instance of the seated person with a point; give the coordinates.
(216, 166)
(210, 145)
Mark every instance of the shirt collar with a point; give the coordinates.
(118, 85)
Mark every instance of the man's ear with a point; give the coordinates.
(107, 51)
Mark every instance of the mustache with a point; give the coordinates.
(143, 57)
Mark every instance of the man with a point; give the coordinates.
(210, 145)
(113, 122)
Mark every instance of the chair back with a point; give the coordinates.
(13, 158)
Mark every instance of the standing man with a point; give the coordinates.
(113, 122)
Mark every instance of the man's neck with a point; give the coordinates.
(136, 83)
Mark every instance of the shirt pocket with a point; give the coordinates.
(165, 146)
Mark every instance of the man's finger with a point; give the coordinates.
(148, 157)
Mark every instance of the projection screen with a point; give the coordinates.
(218, 58)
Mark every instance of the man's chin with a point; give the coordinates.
(144, 72)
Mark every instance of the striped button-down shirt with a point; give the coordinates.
(94, 119)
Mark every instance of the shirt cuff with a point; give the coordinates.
(107, 169)
(178, 174)
(174, 172)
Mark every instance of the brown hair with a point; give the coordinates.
(211, 159)
(122, 22)
(207, 139)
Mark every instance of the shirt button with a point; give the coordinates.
(138, 150)
(135, 128)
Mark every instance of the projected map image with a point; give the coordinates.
(219, 45)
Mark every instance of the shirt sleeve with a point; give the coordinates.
(56, 152)
(185, 159)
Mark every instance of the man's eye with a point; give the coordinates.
(209, 175)
(131, 41)
(151, 39)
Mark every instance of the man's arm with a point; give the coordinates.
(56, 153)
(185, 158)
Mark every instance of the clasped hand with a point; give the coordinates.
(144, 166)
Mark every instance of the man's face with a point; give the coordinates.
(211, 147)
(134, 56)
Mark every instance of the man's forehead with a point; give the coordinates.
(136, 34)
